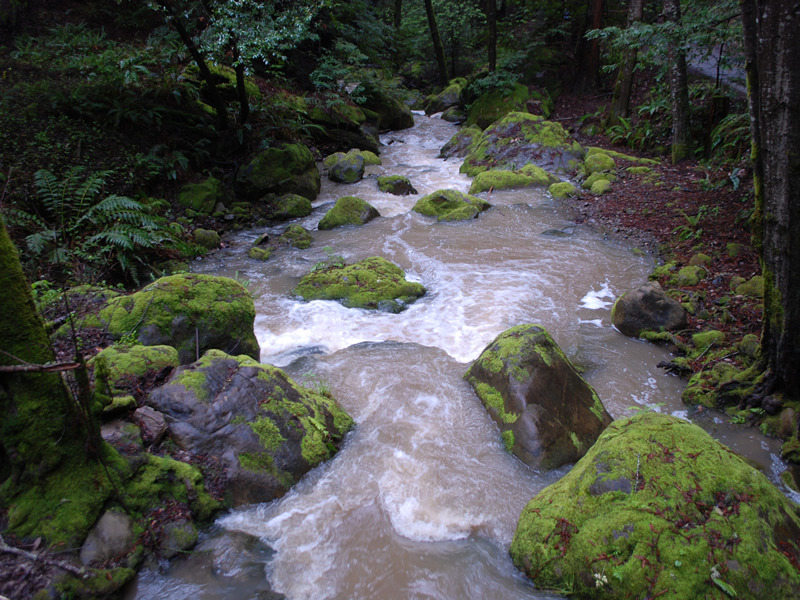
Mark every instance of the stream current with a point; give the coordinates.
(422, 500)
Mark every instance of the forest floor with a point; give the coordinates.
(674, 214)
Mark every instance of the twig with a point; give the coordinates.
(34, 557)
(48, 368)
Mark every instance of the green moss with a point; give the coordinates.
(202, 197)
(658, 507)
(562, 190)
(620, 156)
(705, 339)
(639, 170)
(297, 236)
(690, 275)
(598, 176)
(373, 283)
(370, 158)
(753, 287)
(291, 206)
(395, 184)
(598, 162)
(173, 309)
(600, 187)
(530, 175)
(289, 168)
(120, 366)
(508, 439)
(496, 104)
(268, 433)
(450, 205)
(259, 253)
(493, 400)
(349, 210)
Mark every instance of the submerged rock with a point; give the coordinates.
(519, 139)
(265, 428)
(190, 312)
(349, 210)
(647, 308)
(547, 414)
(373, 283)
(451, 205)
(658, 507)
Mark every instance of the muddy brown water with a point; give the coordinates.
(422, 500)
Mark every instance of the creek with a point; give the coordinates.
(422, 500)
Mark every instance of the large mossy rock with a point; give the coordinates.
(202, 197)
(345, 167)
(519, 139)
(496, 104)
(450, 96)
(528, 176)
(120, 369)
(396, 185)
(190, 312)
(266, 429)
(373, 283)
(547, 414)
(349, 210)
(658, 508)
(461, 143)
(290, 206)
(289, 168)
(392, 112)
(647, 308)
(451, 205)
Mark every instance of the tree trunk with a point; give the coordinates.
(679, 87)
(621, 100)
(197, 55)
(241, 89)
(588, 76)
(491, 20)
(438, 48)
(38, 428)
(398, 14)
(772, 31)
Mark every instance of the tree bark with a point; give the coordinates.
(772, 31)
(491, 20)
(38, 428)
(588, 76)
(398, 14)
(197, 56)
(438, 47)
(621, 99)
(679, 87)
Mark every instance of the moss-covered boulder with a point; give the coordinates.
(528, 176)
(461, 143)
(345, 167)
(259, 253)
(266, 429)
(392, 112)
(290, 206)
(189, 312)
(373, 283)
(370, 158)
(202, 197)
(396, 184)
(449, 96)
(119, 369)
(519, 139)
(647, 308)
(207, 238)
(562, 189)
(451, 205)
(547, 414)
(597, 162)
(496, 104)
(753, 287)
(349, 210)
(297, 236)
(658, 508)
(289, 168)
(454, 114)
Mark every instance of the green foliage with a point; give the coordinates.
(76, 227)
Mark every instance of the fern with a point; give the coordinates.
(77, 224)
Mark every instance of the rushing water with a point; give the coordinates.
(422, 500)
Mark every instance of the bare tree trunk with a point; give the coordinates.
(588, 76)
(772, 31)
(197, 55)
(438, 48)
(679, 88)
(621, 100)
(491, 19)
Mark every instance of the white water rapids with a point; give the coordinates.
(422, 500)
